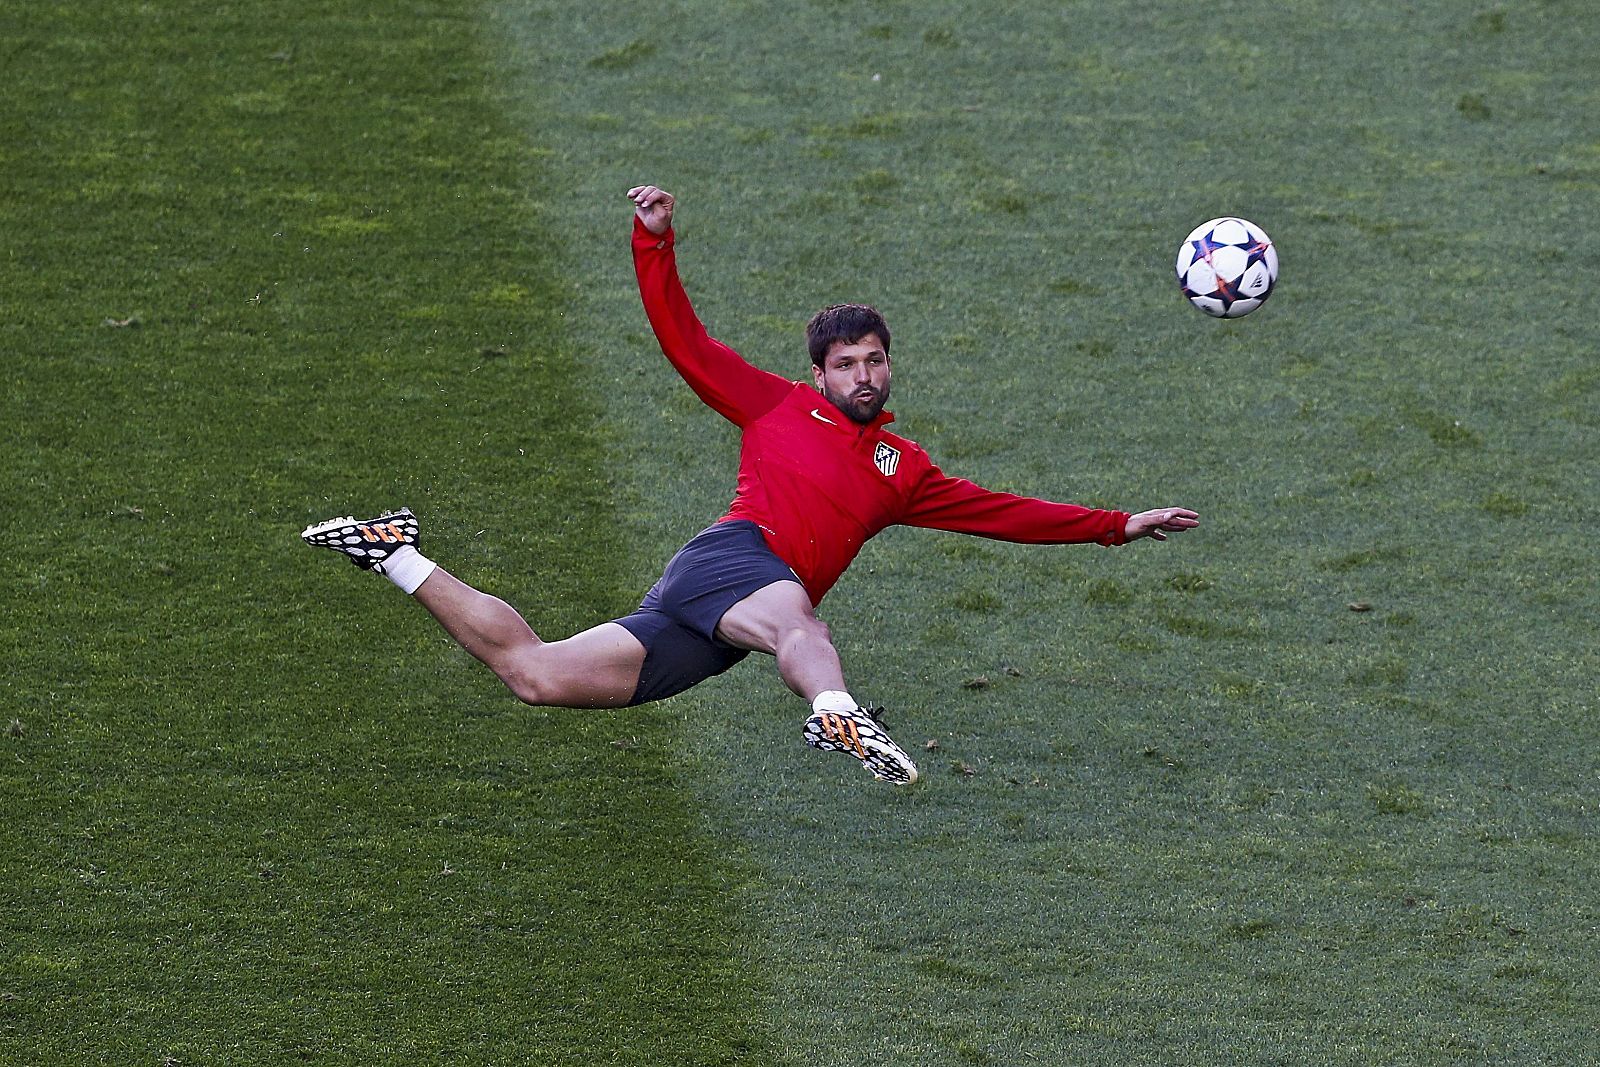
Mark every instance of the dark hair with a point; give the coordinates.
(847, 323)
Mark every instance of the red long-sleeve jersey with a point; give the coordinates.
(817, 483)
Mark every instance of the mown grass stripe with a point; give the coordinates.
(1242, 824)
(257, 809)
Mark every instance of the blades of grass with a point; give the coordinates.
(257, 808)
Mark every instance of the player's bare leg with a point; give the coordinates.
(779, 619)
(598, 668)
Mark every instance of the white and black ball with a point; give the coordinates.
(1227, 267)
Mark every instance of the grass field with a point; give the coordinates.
(1315, 784)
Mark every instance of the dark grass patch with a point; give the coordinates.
(867, 126)
(876, 186)
(1490, 22)
(1240, 687)
(1202, 628)
(1009, 203)
(953, 972)
(963, 549)
(1071, 286)
(1366, 557)
(624, 56)
(268, 813)
(980, 601)
(1107, 592)
(1444, 430)
(1503, 505)
(1474, 107)
(1383, 671)
(1396, 798)
(1250, 929)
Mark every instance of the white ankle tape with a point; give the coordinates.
(408, 568)
(833, 700)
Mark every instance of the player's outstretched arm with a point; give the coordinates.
(734, 388)
(653, 206)
(1160, 522)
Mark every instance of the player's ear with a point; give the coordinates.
(816, 376)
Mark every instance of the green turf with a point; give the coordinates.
(1188, 804)
(256, 808)
(1314, 784)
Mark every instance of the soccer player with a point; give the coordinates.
(818, 475)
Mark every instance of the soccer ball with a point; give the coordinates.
(1227, 267)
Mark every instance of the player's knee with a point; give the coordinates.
(804, 631)
(548, 676)
(530, 684)
(527, 689)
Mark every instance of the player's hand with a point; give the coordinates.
(1160, 522)
(653, 206)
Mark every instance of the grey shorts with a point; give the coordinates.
(677, 620)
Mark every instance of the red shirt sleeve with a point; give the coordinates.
(730, 386)
(945, 503)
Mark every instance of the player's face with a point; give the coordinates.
(855, 377)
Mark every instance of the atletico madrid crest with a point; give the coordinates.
(886, 458)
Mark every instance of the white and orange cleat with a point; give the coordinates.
(861, 734)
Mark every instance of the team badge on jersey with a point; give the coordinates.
(887, 459)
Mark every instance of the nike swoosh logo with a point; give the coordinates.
(816, 413)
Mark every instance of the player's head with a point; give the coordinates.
(849, 346)
(843, 322)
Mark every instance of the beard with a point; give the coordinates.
(861, 403)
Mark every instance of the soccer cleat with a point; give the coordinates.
(860, 733)
(365, 542)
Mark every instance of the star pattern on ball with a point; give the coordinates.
(1206, 245)
(1227, 267)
